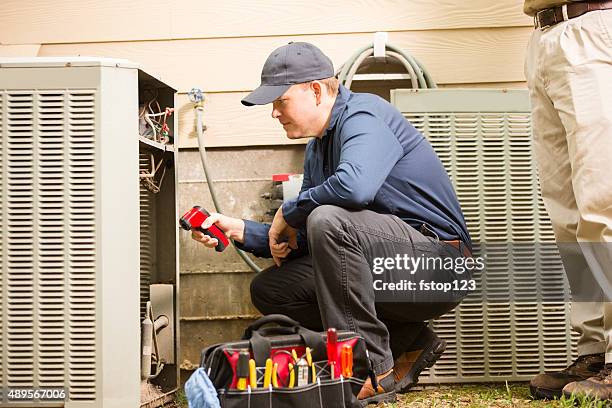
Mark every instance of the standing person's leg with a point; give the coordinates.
(556, 138)
(580, 86)
(289, 290)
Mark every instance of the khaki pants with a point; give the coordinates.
(569, 75)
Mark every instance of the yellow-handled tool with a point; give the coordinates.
(311, 364)
(275, 375)
(252, 374)
(294, 355)
(268, 373)
(291, 376)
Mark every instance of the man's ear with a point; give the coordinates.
(317, 88)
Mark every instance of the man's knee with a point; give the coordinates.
(260, 293)
(324, 217)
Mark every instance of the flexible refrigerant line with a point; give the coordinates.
(419, 77)
(199, 99)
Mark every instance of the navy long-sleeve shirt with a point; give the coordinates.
(370, 157)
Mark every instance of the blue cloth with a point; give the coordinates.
(200, 391)
(370, 157)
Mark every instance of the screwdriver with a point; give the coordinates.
(291, 376)
(346, 361)
(332, 351)
(268, 373)
(275, 375)
(252, 373)
(242, 369)
(311, 364)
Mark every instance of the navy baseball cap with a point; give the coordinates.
(294, 63)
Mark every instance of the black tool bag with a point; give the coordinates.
(277, 342)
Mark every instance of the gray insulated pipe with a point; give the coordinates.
(419, 76)
(196, 95)
(149, 345)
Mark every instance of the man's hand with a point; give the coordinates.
(232, 227)
(279, 230)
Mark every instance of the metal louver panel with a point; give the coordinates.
(20, 249)
(82, 248)
(507, 329)
(147, 207)
(47, 240)
(51, 234)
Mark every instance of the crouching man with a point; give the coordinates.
(374, 200)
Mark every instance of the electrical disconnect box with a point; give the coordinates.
(88, 234)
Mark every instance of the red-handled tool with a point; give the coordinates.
(346, 361)
(332, 351)
(194, 218)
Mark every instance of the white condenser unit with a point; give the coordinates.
(516, 324)
(85, 241)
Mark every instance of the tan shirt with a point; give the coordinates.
(533, 6)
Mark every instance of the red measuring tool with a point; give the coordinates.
(194, 218)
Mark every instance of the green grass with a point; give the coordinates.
(181, 400)
(509, 395)
(513, 395)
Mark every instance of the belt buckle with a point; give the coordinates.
(541, 13)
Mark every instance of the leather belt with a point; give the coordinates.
(458, 245)
(551, 16)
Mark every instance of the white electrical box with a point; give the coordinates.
(81, 239)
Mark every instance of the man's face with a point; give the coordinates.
(297, 112)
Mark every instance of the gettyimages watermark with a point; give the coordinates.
(412, 264)
(434, 272)
(424, 277)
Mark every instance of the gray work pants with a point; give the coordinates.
(333, 285)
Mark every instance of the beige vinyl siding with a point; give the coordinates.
(19, 50)
(226, 69)
(221, 46)
(234, 64)
(72, 21)
(226, 119)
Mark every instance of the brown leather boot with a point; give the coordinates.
(550, 385)
(424, 353)
(384, 393)
(599, 386)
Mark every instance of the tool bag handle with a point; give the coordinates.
(261, 345)
(279, 319)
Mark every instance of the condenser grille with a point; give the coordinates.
(82, 259)
(147, 208)
(47, 240)
(21, 254)
(515, 324)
